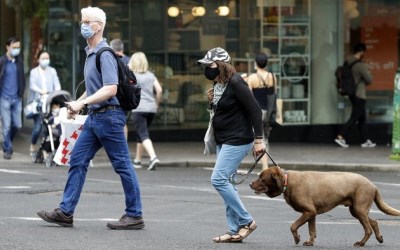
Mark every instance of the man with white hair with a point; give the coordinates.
(104, 127)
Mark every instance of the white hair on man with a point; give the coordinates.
(94, 14)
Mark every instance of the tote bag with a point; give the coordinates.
(210, 146)
(71, 130)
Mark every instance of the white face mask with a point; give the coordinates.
(44, 63)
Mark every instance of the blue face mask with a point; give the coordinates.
(15, 52)
(86, 31)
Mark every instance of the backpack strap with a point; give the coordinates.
(98, 54)
(352, 64)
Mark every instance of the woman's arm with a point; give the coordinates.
(158, 89)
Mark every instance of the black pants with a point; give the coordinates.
(359, 115)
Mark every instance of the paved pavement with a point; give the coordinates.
(299, 156)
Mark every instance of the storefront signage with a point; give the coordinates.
(379, 33)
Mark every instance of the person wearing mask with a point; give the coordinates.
(144, 114)
(358, 115)
(43, 81)
(104, 127)
(12, 87)
(238, 130)
(263, 85)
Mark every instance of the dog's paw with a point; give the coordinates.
(380, 238)
(297, 240)
(359, 244)
(308, 243)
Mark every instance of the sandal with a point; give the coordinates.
(228, 237)
(245, 230)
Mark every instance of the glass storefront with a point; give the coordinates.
(305, 40)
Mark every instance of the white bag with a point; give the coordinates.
(71, 129)
(32, 109)
(210, 146)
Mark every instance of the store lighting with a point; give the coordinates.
(222, 11)
(198, 11)
(173, 11)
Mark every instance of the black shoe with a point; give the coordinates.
(153, 164)
(57, 217)
(7, 156)
(127, 223)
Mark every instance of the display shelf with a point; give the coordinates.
(285, 36)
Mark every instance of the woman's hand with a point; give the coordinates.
(210, 94)
(259, 147)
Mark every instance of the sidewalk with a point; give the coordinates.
(299, 156)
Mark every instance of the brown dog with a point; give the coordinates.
(312, 193)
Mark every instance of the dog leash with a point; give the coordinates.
(233, 179)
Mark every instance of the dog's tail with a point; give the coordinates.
(383, 206)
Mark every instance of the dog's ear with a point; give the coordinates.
(276, 185)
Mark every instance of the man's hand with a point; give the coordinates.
(73, 108)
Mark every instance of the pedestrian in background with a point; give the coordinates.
(358, 115)
(104, 127)
(144, 114)
(43, 80)
(12, 87)
(118, 46)
(237, 123)
(263, 85)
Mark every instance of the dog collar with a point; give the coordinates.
(285, 182)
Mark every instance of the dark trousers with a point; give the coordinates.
(359, 115)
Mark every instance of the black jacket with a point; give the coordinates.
(20, 73)
(238, 118)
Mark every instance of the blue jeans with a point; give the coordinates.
(37, 128)
(228, 160)
(102, 129)
(10, 112)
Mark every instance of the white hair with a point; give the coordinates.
(95, 14)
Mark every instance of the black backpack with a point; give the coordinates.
(128, 92)
(345, 83)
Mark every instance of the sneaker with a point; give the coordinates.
(137, 164)
(368, 144)
(7, 156)
(57, 217)
(341, 142)
(127, 223)
(153, 164)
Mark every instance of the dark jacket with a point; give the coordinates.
(20, 72)
(237, 118)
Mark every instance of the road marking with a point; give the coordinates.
(387, 184)
(17, 172)
(39, 219)
(15, 187)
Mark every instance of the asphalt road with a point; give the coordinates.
(181, 211)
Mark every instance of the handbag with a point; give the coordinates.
(210, 146)
(32, 109)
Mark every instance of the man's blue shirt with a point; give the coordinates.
(10, 80)
(109, 74)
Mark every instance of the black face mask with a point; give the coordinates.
(211, 73)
